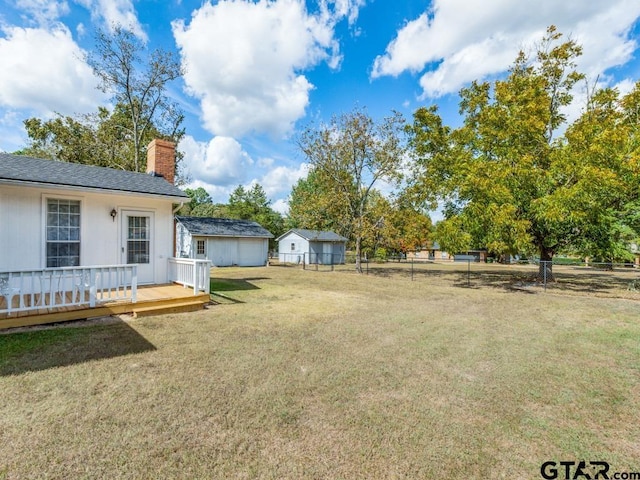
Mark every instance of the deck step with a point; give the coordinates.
(175, 307)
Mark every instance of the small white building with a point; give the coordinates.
(223, 241)
(311, 246)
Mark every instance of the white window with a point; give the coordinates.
(200, 247)
(293, 247)
(138, 244)
(63, 233)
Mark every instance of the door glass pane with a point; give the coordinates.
(138, 240)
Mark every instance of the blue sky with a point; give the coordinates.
(259, 71)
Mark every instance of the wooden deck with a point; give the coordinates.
(151, 300)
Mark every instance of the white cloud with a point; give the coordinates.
(281, 206)
(221, 161)
(243, 61)
(279, 180)
(43, 12)
(44, 71)
(115, 12)
(457, 41)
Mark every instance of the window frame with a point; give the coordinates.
(199, 251)
(46, 226)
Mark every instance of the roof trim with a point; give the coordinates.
(45, 173)
(76, 188)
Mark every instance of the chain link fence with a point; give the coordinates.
(620, 280)
(308, 260)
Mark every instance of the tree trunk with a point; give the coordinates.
(358, 262)
(545, 270)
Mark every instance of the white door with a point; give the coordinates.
(137, 243)
(252, 252)
(223, 252)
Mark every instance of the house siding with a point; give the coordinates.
(22, 237)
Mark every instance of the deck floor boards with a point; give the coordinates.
(148, 298)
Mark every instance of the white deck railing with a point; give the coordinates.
(26, 290)
(191, 273)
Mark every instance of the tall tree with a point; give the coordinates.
(352, 154)
(117, 138)
(603, 145)
(139, 85)
(313, 205)
(253, 204)
(509, 182)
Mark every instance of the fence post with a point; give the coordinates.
(468, 272)
(544, 275)
(412, 269)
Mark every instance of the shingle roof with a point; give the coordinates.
(315, 235)
(18, 168)
(223, 227)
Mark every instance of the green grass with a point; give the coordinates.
(330, 375)
(21, 344)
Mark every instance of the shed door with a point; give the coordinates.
(252, 252)
(137, 243)
(327, 253)
(223, 252)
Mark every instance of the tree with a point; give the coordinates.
(352, 154)
(199, 196)
(313, 205)
(508, 178)
(254, 205)
(599, 147)
(117, 138)
(200, 204)
(92, 139)
(139, 86)
(62, 138)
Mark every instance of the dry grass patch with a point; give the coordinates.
(329, 375)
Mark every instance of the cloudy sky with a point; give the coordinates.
(259, 71)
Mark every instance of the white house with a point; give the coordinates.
(311, 246)
(62, 223)
(223, 241)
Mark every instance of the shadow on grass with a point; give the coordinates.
(220, 285)
(32, 351)
(234, 285)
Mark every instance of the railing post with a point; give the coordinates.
(134, 283)
(195, 277)
(93, 287)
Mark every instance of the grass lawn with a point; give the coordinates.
(297, 375)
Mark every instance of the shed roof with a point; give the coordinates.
(223, 227)
(316, 235)
(19, 169)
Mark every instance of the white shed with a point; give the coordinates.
(311, 246)
(223, 241)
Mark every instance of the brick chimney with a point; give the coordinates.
(161, 159)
